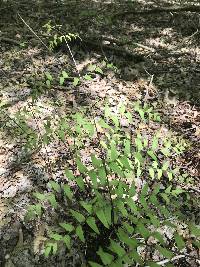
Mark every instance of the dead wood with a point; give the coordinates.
(158, 10)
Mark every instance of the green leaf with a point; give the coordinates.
(154, 143)
(67, 240)
(61, 80)
(96, 162)
(65, 74)
(38, 209)
(103, 124)
(52, 199)
(93, 176)
(105, 257)
(81, 166)
(154, 220)
(128, 227)
(127, 147)
(48, 75)
(159, 171)
(120, 206)
(92, 223)
(136, 257)
(77, 215)
(48, 249)
(101, 216)
(76, 81)
(129, 117)
(179, 241)
(116, 169)
(138, 144)
(87, 77)
(69, 174)
(195, 230)
(55, 248)
(131, 203)
(67, 191)
(107, 212)
(98, 70)
(114, 152)
(165, 252)
(94, 264)
(80, 234)
(86, 206)
(102, 175)
(68, 227)
(143, 230)
(116, 248)
(115, 120)
(151, 173)
(123, 237)
(165, 165)
(91, 67)
(55, 186)
(55, 236)
(124, 161)
(152, 155)
(80, 182)
(159, 237)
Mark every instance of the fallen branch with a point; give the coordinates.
(158, 10)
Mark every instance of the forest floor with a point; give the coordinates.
(156, 58)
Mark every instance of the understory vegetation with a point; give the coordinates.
(99, 151)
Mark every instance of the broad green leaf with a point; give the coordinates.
(69, 174)
(65, 74)
(76, 81)
(170, 175)
(179, 241)
(128, 227)
(54, 248)
(102, 175)
(80, 182)
(52, 199)
(49, 76)
(67, 226)
(195, 230)
(101, 216)
(105, 257)
(123, 237)
(151, 173)
(143, 202)
(121, 207)
(67, 240)
(94, 264)
(107, 212)
(145, 190)
(48, 250)
(124, 161)
(93, 176)
(159, 237)
(131, 203)
(155, 221)
(138, 158)
(86, 206)
(122, 108)
(38, 209)
(56, 237)
(115, 120)
(99, 70)
(154, 143)
(114, 152)
(127, 147)
(92, 223)
(55, 186)
(87, 77)
(80, 234)
(116, 169)
(152, 155)
(136, 257)
(138, 144)
(132, 190)
(159, 172)
(82, 168)
(96, 162)
(103, 124)
(61, 80)
(165, 252)
(67, 191)
(129, 117)
(143, 230)
(116, 248)
(91, 67)
(77, 215)
(40, 196)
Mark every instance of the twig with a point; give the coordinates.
(33, 31)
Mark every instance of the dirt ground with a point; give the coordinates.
(161, 63)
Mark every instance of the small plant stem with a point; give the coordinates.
(106, 171)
